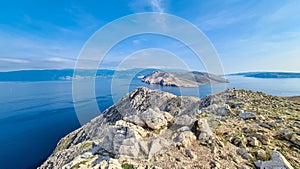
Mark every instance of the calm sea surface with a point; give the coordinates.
(35, 115)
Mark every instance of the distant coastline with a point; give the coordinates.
(67, 74)
(268, 74)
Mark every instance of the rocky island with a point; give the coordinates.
(154, 129)
(182, 79)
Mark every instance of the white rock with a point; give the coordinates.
(277, 161)
(157, 145)
(186, 138)
(184, 120)
(153, 119)
(206, 134)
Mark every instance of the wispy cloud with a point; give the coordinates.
(148, 6)
(287, 11)
(59, 59)
(157, 6)
(29, 51)
(13, 60)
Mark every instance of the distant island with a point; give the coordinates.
(51, 75)
(268, 74)
(182, 79)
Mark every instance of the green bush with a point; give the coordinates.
(127, 166)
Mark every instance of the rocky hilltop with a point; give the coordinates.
(182, 79)
(152, 129)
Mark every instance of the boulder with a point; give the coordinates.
(205, 135)
(277, 161)
(151, 118)
(247, 115)
(158, 145)
(289, 135)
(243, 152)
(184, 120)
(109, 164)
(261, 154)
(185, 138)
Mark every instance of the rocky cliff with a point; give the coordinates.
(153, 129)
(182, 79)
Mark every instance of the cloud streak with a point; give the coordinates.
(59, 59)
(13, 60)
(28, 51)
(147, 6)
(157, 6)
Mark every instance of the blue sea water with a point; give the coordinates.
(35, 115)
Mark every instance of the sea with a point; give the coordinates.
(35, 115)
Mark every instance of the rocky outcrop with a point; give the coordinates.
(182, 79)
(153, 129)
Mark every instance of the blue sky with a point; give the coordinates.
(248, 35)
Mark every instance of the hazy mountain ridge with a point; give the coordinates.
(153, 129)
(49, 75)
(67, 74)
(268, 74)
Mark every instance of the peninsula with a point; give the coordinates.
(182, 79)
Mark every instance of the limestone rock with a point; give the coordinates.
(109, 164)
(289, 136)
(186, 138)
(184, 120)
(244, 154)
(247, 115)
(153, 119)
(158, 145)
(202, 129)
(277, 161)
(285, 134)
(261, 154)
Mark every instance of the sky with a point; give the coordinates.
(256, 35)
